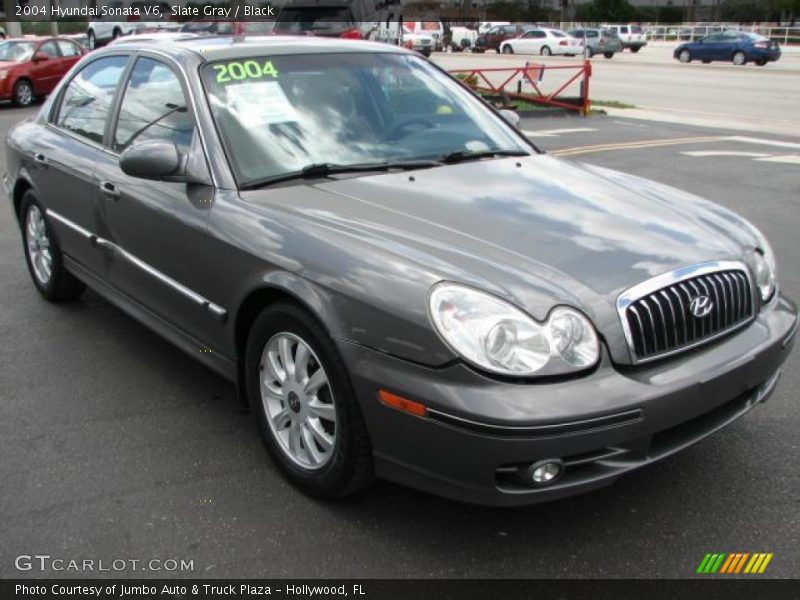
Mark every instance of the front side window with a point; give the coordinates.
(278, 115)
(50, 49)
(153, 108)
(87, 99)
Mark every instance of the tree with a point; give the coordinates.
(791, 8)
(742, 11)
(615, 11)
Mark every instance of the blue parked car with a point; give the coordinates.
(739, 47)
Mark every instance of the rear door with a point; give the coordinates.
(66, 156)
(158, 227)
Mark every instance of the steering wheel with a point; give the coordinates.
(395, 129)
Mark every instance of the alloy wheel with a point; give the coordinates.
(24, 93)
(298, 401)
(38, 244)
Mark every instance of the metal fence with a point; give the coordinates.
(692, 31)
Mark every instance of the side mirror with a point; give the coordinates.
(41, 56)
(510, 116)
(153, 159)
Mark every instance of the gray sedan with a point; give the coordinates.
(398, 282)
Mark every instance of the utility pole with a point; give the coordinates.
(53, 22)
(13, 28)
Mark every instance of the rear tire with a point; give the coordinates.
(608, 54)
(23, 93)
(635, 49)
(545, 51)
(761, 62)
(285, 412)
(739, 58)
(43, 255)
(91, 40)
(589, 53)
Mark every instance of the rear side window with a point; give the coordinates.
(591, 34)
(87, 98)
(623, 30)
(153, 108)
(68, 49)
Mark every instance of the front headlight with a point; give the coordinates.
(764, 267)
(3, 73)
(495, 335)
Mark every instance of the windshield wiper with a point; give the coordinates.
(467, 155)
(320, 170)
(173, 108)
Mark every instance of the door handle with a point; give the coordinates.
(109, 189)
(40, 158)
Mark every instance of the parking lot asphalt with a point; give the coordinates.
(114, 444)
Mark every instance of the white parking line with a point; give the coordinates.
(725, 153)
(752, 140)
(555, 132)
(791, 159)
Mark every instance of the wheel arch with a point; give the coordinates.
(22, 185)
(279, 286)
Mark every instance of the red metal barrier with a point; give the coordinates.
(533, 74)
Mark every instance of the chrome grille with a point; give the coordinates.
(686, 308)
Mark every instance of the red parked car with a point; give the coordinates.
(31, 67)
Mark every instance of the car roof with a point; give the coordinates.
(213, 48)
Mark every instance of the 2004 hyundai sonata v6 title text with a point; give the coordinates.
(400, 284)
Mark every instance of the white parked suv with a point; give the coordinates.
(108, 29)
(632, 36)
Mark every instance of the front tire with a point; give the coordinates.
(685, 56)
(305, 405)
(545, 51)
(507, 49)
(91, 40)
(635, 49)
(608, 54)
(739, 58)
(23, 93)
(43, 255)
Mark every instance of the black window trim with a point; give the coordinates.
(55, 109)
(120, 96)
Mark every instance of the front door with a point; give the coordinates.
(158, 227)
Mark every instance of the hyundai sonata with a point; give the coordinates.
(400, 284)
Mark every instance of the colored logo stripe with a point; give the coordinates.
(734, 563)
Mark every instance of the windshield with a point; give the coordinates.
(313, 18)
(16, 51)
(278, 115)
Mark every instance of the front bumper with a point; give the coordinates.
(480, 432)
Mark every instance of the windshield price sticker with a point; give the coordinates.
(261, 102)
(241, 71)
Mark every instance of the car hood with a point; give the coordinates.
(537, 230)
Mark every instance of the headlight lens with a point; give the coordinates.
(495, 335)
(764, 266)
(765, 275)
(3, 73)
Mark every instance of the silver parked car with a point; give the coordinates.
(598, 41)
(302, 216)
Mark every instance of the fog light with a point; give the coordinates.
(544, 472)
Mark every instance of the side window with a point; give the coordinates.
(591, 34)
(50, 49)
(87, 98)
(623, 30)
(68, 49)
(153, 108)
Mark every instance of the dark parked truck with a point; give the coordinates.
(301, 215)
